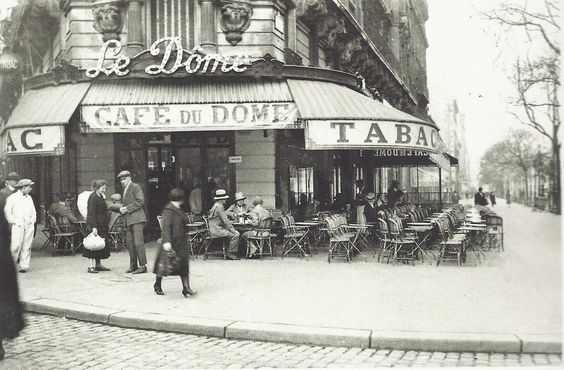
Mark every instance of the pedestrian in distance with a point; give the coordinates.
(11, 318)
(174, 235)
(221, 226)
(480, 198)
(508, 198)
(9, 189)
(492, 199)
(98, 219)
(21, 215)
(135, 219)
(455, 197)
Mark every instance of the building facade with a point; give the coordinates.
(276, 98)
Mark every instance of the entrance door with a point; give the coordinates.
(203, 166)
(160, 179)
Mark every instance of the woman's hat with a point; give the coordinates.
(239, 196)
(370, 196)
(220, 194)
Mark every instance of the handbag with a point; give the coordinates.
(94, 242)
(167, 263)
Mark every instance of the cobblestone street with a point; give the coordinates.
(50, 342)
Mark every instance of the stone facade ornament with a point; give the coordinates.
(108, 19)
(235, 19)
(311, 9)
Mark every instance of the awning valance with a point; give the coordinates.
(195, 105)
(36, 125)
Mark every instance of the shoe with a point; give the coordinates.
(140, 270)
(158, 289)
(92, 270)
(131, 269)
(101, 268)
(232, 257)
(23, 271)
(188, 291)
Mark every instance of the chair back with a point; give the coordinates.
(393, 228)
(160, 221)
(285, 222)
(54, 225)
(264, 227)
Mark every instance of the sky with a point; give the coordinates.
(469, 59)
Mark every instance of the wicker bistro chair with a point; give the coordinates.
(403, 247)
(451, 246)
(62, 236)
(384, 239)
(495, 232)
(209, 242)
(118, 234)
(294, 237)
(261, 237)
(340, 244)
(196, 234)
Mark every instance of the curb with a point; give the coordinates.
(299, 334)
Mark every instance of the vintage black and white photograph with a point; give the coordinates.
(239, 184)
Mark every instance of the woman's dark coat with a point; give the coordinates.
(174, 232)
(11, 319)
(98, 217)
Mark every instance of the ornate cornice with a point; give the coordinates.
(235, 19)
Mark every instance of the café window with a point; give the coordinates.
(336, 183)
(173, 18)
(301, 182)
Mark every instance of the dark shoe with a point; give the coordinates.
(2, 355)
(140, 270)
(23, 271)
(232, 257)
(101, 268)
(189, 291)
(92, 270)
(158, 289)
(131, 269)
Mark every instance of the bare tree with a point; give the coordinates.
(536, 76)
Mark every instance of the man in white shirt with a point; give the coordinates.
(20, 214)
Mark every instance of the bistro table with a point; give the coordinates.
(242, 227)
(313, 228)
(423, 232)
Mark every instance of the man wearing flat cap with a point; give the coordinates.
(10, 188)
(21, 215)
(134, 213)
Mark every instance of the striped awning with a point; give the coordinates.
(53, 105)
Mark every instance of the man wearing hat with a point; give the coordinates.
(21, 215)
(10, 188)
(370, 208)
(133, 202)
(220, 226)
(479, 198)
(239, 208)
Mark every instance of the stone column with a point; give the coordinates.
(135, 42)
(208, 31)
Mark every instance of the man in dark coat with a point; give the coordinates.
(135, 219)
(370, 208)
(480, 198)
(61, 211)
(394, 194)
(10, 188)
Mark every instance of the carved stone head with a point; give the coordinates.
(108, 21)
(235, 19)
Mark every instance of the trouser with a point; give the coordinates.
(136, 245)
(22, 238)
(233, 242)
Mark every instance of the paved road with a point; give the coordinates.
(51, 342)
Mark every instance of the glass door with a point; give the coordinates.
(160, 176)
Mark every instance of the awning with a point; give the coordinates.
(36, 125)
(453, 160)
(195, 105)
(337, 117)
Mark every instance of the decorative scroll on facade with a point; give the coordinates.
(311, 9)
(108, 19)
(235, 19)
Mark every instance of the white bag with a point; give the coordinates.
(94, 242)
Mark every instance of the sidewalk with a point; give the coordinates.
(510, 303)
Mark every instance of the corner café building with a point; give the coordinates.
(176, 118)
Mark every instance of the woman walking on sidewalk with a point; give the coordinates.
(98, 219)
(174, 248)
(11, 319)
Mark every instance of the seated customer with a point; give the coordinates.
(312, 210)
(239, 208)
(257, 214)
(61, 211)
(220, 226)
(113, 207)
(370, 208)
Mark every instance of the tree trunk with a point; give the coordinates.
(556, 177)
